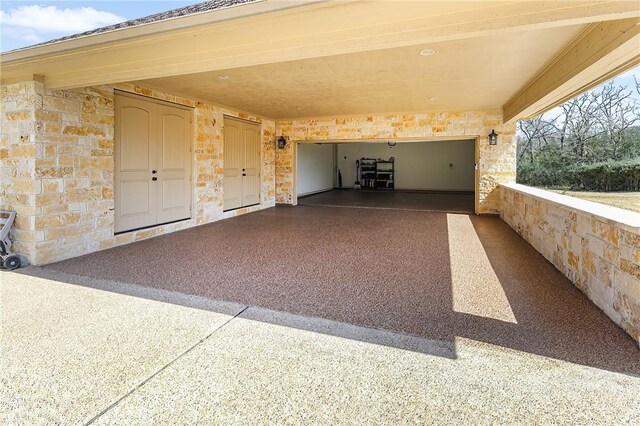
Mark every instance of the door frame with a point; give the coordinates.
(192, 169)
(261, 136)
(474, 138)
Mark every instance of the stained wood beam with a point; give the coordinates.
(599, 53)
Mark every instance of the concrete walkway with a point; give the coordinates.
(79, 350)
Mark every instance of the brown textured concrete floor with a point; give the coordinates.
(405, 200)
(434, 275)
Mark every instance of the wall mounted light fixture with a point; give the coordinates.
(493, 138)
(391, 143)
(282, 142)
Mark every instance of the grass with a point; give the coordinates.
(622, 200)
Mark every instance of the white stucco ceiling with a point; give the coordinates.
(463, 74)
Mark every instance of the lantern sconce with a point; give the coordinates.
(282, 142)
(493, 138)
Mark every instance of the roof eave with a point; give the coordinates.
(193, 20)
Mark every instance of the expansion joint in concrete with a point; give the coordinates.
(164, 367)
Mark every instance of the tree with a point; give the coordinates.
(581, 116)
(537, 133)
(617, 112)
(594, 137)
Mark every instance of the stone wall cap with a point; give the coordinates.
(624, 217)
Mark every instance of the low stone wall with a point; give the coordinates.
(597, 247)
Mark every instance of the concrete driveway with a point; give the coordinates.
(79, 349)
(75, 351)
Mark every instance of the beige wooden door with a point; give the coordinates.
(174, 164)
(135, 157)
(241, 164)
(251, 169)
(152, 163)
(233, 159)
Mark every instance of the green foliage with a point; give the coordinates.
(605, 176)
(548, 169)
(590, 143)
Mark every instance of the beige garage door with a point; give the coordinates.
(241, 163)
(152, 162)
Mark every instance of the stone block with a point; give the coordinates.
(43, 200)
(630, 268)
(46, 222)
(627, 284)
(22, 151)
(83, 131)
(596, 246)
(630, 238)
(52, 103)
(53, 172)
(52, 185)
(606, 231)
(44, 115)
(18, 115)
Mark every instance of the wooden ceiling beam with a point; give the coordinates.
(599, 53)
(317, 29)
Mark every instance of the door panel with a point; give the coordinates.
(251, 180)
(135, 153)
(173, 139)
(138, 201)
(136, 138)
(174, 167)
(233, 158)
(173, 194)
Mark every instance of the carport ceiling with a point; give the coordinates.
(462, 75)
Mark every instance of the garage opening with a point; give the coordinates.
(420, 175)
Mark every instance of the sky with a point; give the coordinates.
(23, 23)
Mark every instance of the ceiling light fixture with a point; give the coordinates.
(427, 52)
(433, 99)
(223, 77)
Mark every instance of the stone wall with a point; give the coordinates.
(497, 163)
(56, 153)
(18, 133)
(58, 170)
(595, 246)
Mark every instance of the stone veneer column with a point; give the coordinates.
(497, 164)
(75, 165)
(58, 168)
(18, 186)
